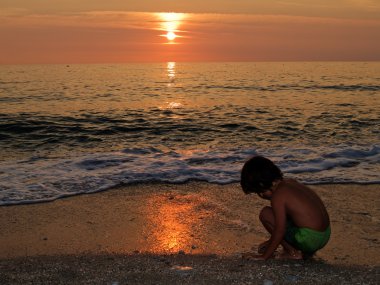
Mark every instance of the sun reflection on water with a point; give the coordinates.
(171, 71)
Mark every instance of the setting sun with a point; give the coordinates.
(171, 36)
(170, 24)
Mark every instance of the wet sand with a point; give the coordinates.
(146, 232)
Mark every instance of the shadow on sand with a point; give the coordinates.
(178, 268)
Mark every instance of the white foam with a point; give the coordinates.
(39, 179)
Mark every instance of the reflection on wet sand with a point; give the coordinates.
(173, 223)
(194, 223)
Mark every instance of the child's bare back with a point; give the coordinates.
(302, 205)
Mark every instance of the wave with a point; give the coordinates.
(298, 87)
(41, 178)
(155, 123)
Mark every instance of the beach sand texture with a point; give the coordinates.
(157, 227)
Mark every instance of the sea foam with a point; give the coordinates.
(44, 179)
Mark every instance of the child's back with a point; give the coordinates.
(303, 206)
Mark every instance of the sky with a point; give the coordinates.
(94, 31)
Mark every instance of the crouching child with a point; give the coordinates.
(296, 218)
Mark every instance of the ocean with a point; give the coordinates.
(73, 129)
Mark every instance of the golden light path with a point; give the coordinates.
(171, 70)
(170, 24)
(172, 222)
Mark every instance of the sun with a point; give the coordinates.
(171, 36)
(170, 22)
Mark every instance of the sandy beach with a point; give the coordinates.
(191, 233)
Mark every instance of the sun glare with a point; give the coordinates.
(171, 36)
(170, 23)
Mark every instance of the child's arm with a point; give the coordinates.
(279, 210)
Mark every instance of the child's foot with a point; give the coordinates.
(297, 255)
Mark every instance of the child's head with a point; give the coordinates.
(258, 174)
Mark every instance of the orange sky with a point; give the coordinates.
(124, 31)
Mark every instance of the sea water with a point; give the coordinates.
(71, 129)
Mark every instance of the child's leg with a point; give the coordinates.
(267, 219)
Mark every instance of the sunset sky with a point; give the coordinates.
(94, 31)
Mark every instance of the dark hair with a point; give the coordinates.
(258, 174)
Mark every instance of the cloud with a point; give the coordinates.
(145, 20)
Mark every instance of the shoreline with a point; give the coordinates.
(134, 184)
(144, 223)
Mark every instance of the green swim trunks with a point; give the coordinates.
(305, 239)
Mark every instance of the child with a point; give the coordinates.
(297, 218)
